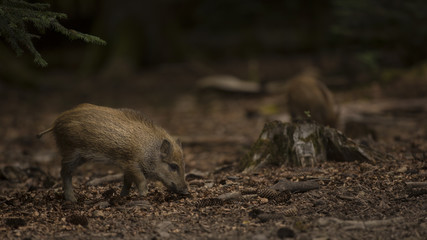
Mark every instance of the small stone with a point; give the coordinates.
(264, 200)
(230, 196)
(103, 204)
(98, 213)
(163, 234)
(259, 237)
(402, 169)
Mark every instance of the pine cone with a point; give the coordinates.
(208, 202)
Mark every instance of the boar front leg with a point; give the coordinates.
(134, 176)
(127, 184)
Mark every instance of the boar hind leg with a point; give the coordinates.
(67, 169)
(134, 176)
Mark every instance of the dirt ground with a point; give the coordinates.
(355, 200)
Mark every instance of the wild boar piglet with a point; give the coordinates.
(308, 97)
(123, 137)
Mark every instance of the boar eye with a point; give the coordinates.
(174, 167)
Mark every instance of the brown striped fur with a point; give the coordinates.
(123, 137)
(306, 94)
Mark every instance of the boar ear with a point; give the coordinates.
(165, 149)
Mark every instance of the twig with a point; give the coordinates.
(411, 185)
(352, 224)
(293, 187)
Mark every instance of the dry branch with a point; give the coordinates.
(286, 185)
(416, 185)
(352, 224)
(227, 83)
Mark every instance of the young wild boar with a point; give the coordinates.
(307, 95)
(122, 137)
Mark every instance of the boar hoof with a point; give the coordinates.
(143, 193)
(70, 197)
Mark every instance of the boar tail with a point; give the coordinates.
(44, 132)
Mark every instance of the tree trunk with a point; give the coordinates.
(303, 144)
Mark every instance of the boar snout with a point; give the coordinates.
(180, 190)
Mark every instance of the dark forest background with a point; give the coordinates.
(372, 39)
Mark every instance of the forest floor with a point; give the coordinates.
(355, 200)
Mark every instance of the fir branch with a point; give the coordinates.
(16, 15)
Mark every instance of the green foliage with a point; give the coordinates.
(16, 16)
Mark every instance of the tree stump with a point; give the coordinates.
(303, 143)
